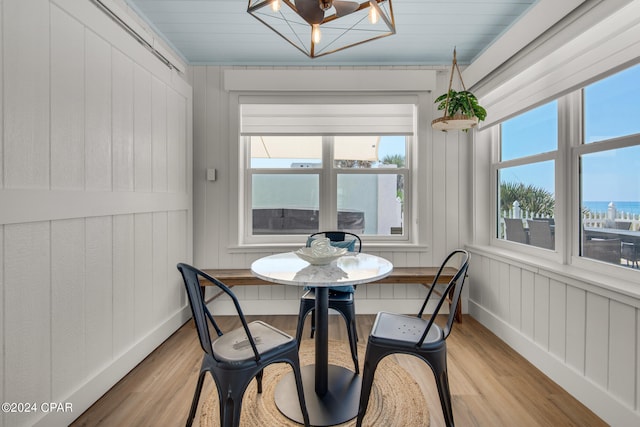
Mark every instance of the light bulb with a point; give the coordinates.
(315, 33)
(373, 14)
(325, 4)
(275, 5)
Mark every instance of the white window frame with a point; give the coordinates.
(578, 148)
(407, 87)
(497, 164)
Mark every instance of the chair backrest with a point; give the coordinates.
(607, 250)
(515, 230)
(455, 284)
(623, 225)
(550, 220)
(200, 311)
(540, 234)
(338, 237)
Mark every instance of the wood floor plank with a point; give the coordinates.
(491, 384)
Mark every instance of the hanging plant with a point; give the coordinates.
(461, 105)
(461, 109)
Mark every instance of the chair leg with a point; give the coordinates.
(303, 405)
(196, 398)
(231, 408)
(313, 323)
(442, 382)
(259, 376)
(302, 315)
(438, 363)
(353, 341)
(371, 360)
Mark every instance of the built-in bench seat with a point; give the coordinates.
(405, 275)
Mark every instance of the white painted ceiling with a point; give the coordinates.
(221, 32)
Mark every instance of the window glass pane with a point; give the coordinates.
(612, 107)
(610, 202)
(533, 132)
(286, 152)
(526, 204)
(285, 204)
(369, 151)
(371, 203)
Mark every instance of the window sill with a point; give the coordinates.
(610, 281)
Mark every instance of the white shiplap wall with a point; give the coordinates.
(95, 204)
(581, 335)
(444, 160)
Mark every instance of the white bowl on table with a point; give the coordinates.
(332, 254)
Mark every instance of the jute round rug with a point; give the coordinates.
(396, 399)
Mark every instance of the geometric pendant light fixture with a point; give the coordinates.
(321, 27)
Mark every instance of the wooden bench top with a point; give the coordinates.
(420, 275)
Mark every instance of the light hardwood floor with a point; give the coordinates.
(491, 385)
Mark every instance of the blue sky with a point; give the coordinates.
(390, 145)
(612, 109)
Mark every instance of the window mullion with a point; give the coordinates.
(328, 188)
(568, 200)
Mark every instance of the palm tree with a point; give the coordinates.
(532, 199)
(393, 159)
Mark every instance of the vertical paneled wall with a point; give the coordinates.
(583, 336)
(441, 183)
(95, 204)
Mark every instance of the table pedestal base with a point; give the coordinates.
(338, 405)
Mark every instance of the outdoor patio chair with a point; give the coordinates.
(540, 234)
(623, 225)
(607, 250)
(341, 298)
(236, 357)
(398, 333)
(515, 230)
(631, 252)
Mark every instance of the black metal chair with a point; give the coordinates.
(397, 333)
(340, 299)
(236, 357)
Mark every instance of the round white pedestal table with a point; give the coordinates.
(331, 392)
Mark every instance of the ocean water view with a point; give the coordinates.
(626, 207)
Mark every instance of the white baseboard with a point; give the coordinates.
(602, 403)
(103, 380)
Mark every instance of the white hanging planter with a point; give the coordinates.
(457, 122)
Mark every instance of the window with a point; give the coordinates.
(341, 163)
(609, 160)
(599, 178)
(302, 184)
(526, 178)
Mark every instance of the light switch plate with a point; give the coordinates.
(211, 174)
